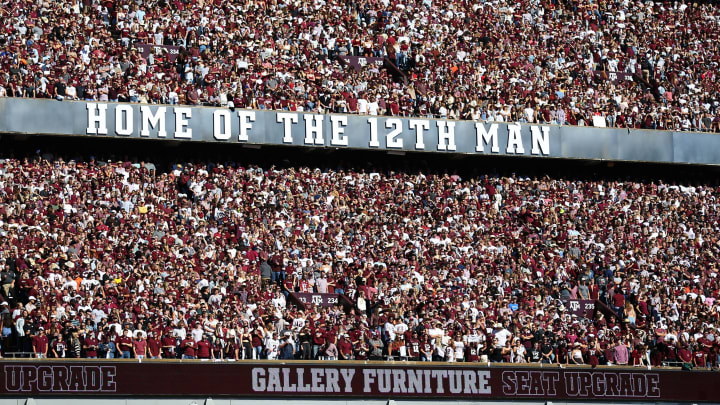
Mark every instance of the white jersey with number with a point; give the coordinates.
(459, 350)
(271, 346)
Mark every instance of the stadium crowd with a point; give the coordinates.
(118, 259)
(618, 63)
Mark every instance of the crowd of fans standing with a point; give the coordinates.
(626, 63)
(119, 259)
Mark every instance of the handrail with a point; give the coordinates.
(30, 355)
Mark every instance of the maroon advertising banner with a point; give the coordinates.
(581, 308)
(351, 379)
(359, 62)
(322, 300)
(172, 51)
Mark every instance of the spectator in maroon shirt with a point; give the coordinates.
(345, 348)
(639, 356)
(153, 346)
(125, 344)
(169, 344)
(187, 346)
(684, 354)
(40, 344)
(413, 344)
(257, 342)
(699, 358)
(670, 350)
(204, 348)
(618, 301)
(140, 346)
(90, 345)
(318, 342)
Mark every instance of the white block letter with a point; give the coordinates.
(420, 126)
(439, 375)
(446, 135)
(150, 120)
(483, 386)
(273, 381)
(221, 125)
(392, 137)
(97, 119)
(540, 142)
(486, 137)
(313, 129)
(399, 381)
(374, 143)
(182, 114)
(469, 378)
(246, 117)
(515, 140)
(123, 120)
(347, 375)
(337, 123)
(317, 376)
(369, 375)
(258, 379)
(287, 119)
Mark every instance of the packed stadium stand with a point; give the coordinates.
(629, 64)
(114, 258)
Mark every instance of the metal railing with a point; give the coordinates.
(21, 355)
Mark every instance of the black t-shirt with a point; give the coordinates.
(324, 100)
(496, 355)
(60, 88)
(535, 356)
(546, 349)
(305, 338)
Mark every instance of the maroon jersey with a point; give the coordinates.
(153, 346)
(188, 347)
(203, 349)
(472, 355)
(91, 345)
(413, 346)
(168, 352)
(125, 343)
